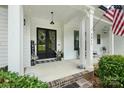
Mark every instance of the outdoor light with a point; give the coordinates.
(24, 22)
(52, 22)
(105, 29)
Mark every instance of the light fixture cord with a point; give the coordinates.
(52, 15)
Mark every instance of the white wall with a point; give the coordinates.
(3, 36)
(104, 42)
(119, 45)
(69, 52)
(42, 23)
(105, 38)
(65, 34)
(97, 47)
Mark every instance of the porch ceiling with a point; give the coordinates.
(62, 13)
(99, 13)
(100, 26)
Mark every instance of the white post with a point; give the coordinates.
(111, 42)
(89, 36)
(15, 39)
(82, 44)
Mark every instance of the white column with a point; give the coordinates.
(89, 39)
(82, 44)
(15, 39)
(111, 42)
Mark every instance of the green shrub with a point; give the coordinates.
(4, 68)
(111, 71)
(12, 80)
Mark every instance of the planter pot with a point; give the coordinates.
(33, 63)
(59, 58)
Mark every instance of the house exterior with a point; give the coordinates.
(19, 26)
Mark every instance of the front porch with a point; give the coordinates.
(76, 19)
(30, 19)
(60, 73)
(82, 19)
(54, 70)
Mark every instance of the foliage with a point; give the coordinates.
(96, 69)
(13, 80)
(5, 68)
(59, 55)
(111, 71)
(41, 48)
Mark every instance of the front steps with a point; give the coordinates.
(78, 80)
(83, 83)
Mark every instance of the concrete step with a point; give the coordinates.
(83, 83)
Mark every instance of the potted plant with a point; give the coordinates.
(59, 55)
(104, 49)
(33, 60)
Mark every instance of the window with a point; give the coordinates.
(98, 39)
(76, 40)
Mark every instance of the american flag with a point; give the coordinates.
(116, 15)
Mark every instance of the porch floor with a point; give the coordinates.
(54, 70)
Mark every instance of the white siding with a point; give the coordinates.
(104, 42)
(69, 52)
(27, 50)
(3, 36)
(119, 45)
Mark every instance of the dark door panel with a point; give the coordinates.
(46, 43)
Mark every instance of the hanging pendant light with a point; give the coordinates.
(52, 22)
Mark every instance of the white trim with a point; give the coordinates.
(90, 7)
(15, 39)
(97, 18)
(89, 38)
(82, 44)
(111, 44)
(45, 59)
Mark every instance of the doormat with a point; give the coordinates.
(45, 61)
(73, 85)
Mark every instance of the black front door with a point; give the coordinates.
(46, 43)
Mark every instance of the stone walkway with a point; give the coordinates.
(83, 83)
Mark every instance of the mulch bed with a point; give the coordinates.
(96, 82)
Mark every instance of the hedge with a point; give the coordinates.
(111, 71)
(13, 80)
